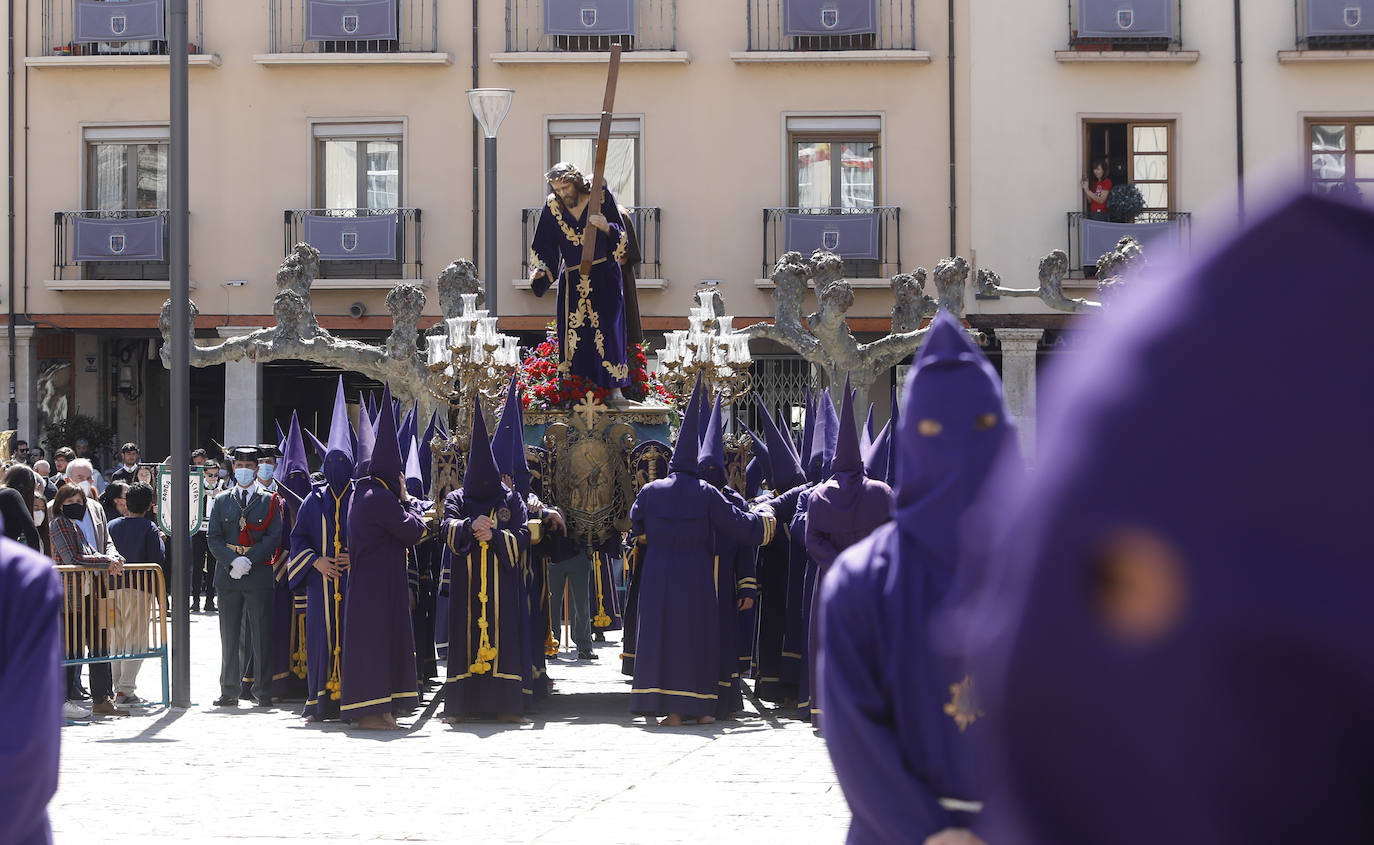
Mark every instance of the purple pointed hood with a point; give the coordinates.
(1191, 554)
(340, 456)
(753, 478)
(892, 441)
(386, 461)
(415, 480)
(502, 442)
(758, 450)
(293, 469)
(875, 459)
(866, 434)
(847, 466)
(711, 456)
(824, 436)
(685, 449)
(362, 460)
(808, 436)
(785, 471)
(482, 478)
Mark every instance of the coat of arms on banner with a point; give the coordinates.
(350, 24)
(589, 17)
(1125, 18)
(118, 243)
(1352, 16)
(830, 17)
(350, 241)
(118, 24)
(830, 240)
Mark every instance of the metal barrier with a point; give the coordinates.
(115, 617)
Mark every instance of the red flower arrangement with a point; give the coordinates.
(546, 389)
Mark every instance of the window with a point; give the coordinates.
(574, 140)
(1138, 153)
(1341, 156)
(123, 176)
(814, 147)
(358, 166)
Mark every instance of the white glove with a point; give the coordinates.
(239, 567)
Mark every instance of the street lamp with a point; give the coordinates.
(490, 106)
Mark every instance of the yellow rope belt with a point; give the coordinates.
(485, 652)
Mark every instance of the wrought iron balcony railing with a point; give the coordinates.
(81, 28)
(590, 25)
(1145, 25)
(868, 239)
(359, 243)
(1333, 25)
(128, 245)
(645, 221)
(381, 26)
(805, 25)
(1090, 239)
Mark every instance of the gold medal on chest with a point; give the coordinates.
(503, 515)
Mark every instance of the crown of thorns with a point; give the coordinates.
(568, 172)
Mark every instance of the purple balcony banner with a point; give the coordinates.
(350, 20)
(352, 238)
(1098, 237)
(846, 235)
(1340, 17)
(1126, 18)
(589, 17)
(829, 17)
(103, 239)
(135, 20)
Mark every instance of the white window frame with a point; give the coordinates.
(142, 132)
(582, 125)
(360, 129)
(828, 121)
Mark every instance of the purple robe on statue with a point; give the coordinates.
(31, 668)
(839, 513)
(591, 313)
(1229, 499)
(901, 712)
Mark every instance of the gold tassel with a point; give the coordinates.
(485, 653)
(550, 642)
(600, 620)
(335, 682)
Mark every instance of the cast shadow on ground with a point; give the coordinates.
(150, 733)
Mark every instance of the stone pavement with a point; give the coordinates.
(583, 772)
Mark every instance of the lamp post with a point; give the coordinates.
(490, 106)
(179, 242)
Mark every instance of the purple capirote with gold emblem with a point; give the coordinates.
(1185, 630)
(901, 713)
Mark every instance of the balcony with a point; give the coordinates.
(584, 31)
(359, 246)
(868, 239)
(313, 32)
(1126, 31)
(830, 31)
(648, 272)
(1331, 30)
(1090, 239)
(111, 246)
(81, 33)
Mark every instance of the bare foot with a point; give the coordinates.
(512, 719)
(311, 720)
(705, 720)
(672, 720)
(375, 723)
(390, 720)
(452, 720)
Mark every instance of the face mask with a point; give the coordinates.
(38, 517)
(265, 472)
(224, 473)
(74, 511)
(84, 486)
(243, 475)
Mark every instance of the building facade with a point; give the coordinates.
(735, 125)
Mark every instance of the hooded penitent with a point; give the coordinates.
(1191, 556)
(378, 676)
(823, 437)
(711, 457)
(875, 458)
(508, 445)
(293, 471)
(899, 710)
(849, 506)
(685, 449)
(338, 456)
(782, 459)
(362, 454)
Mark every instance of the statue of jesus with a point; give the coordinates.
(591, 311)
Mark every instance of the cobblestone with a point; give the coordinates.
(585, 771)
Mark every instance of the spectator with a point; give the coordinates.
(112, 500)
(80, 537)
(44, 471)
(21, 451)
(131, 597)
(128, 469)
(82, 475)
(82, 448)
(1097, 189)
(36, 454)
(202, 565)
(61, 458)
(16, 506)
(198, 457)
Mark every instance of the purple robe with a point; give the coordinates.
(591, 314)
(677, 642)
(378, 643)
(31, 669)
(503, 686)
(736, 578)
(774, 565)
(320, 530)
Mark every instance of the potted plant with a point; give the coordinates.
(1124, 203)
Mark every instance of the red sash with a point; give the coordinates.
(246, 533)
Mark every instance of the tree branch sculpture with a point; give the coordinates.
(1113, 268)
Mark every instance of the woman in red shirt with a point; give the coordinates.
(1097, 190)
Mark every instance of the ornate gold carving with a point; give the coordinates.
(962, 706)
(591, 471)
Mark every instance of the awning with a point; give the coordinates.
(829, 17)
(104, 239)
(371, 238)
(1126, 19)
(134, 20)
(1098, 237)
(351, 20)
(589, 17)
(846, 235)
(1340, 17)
